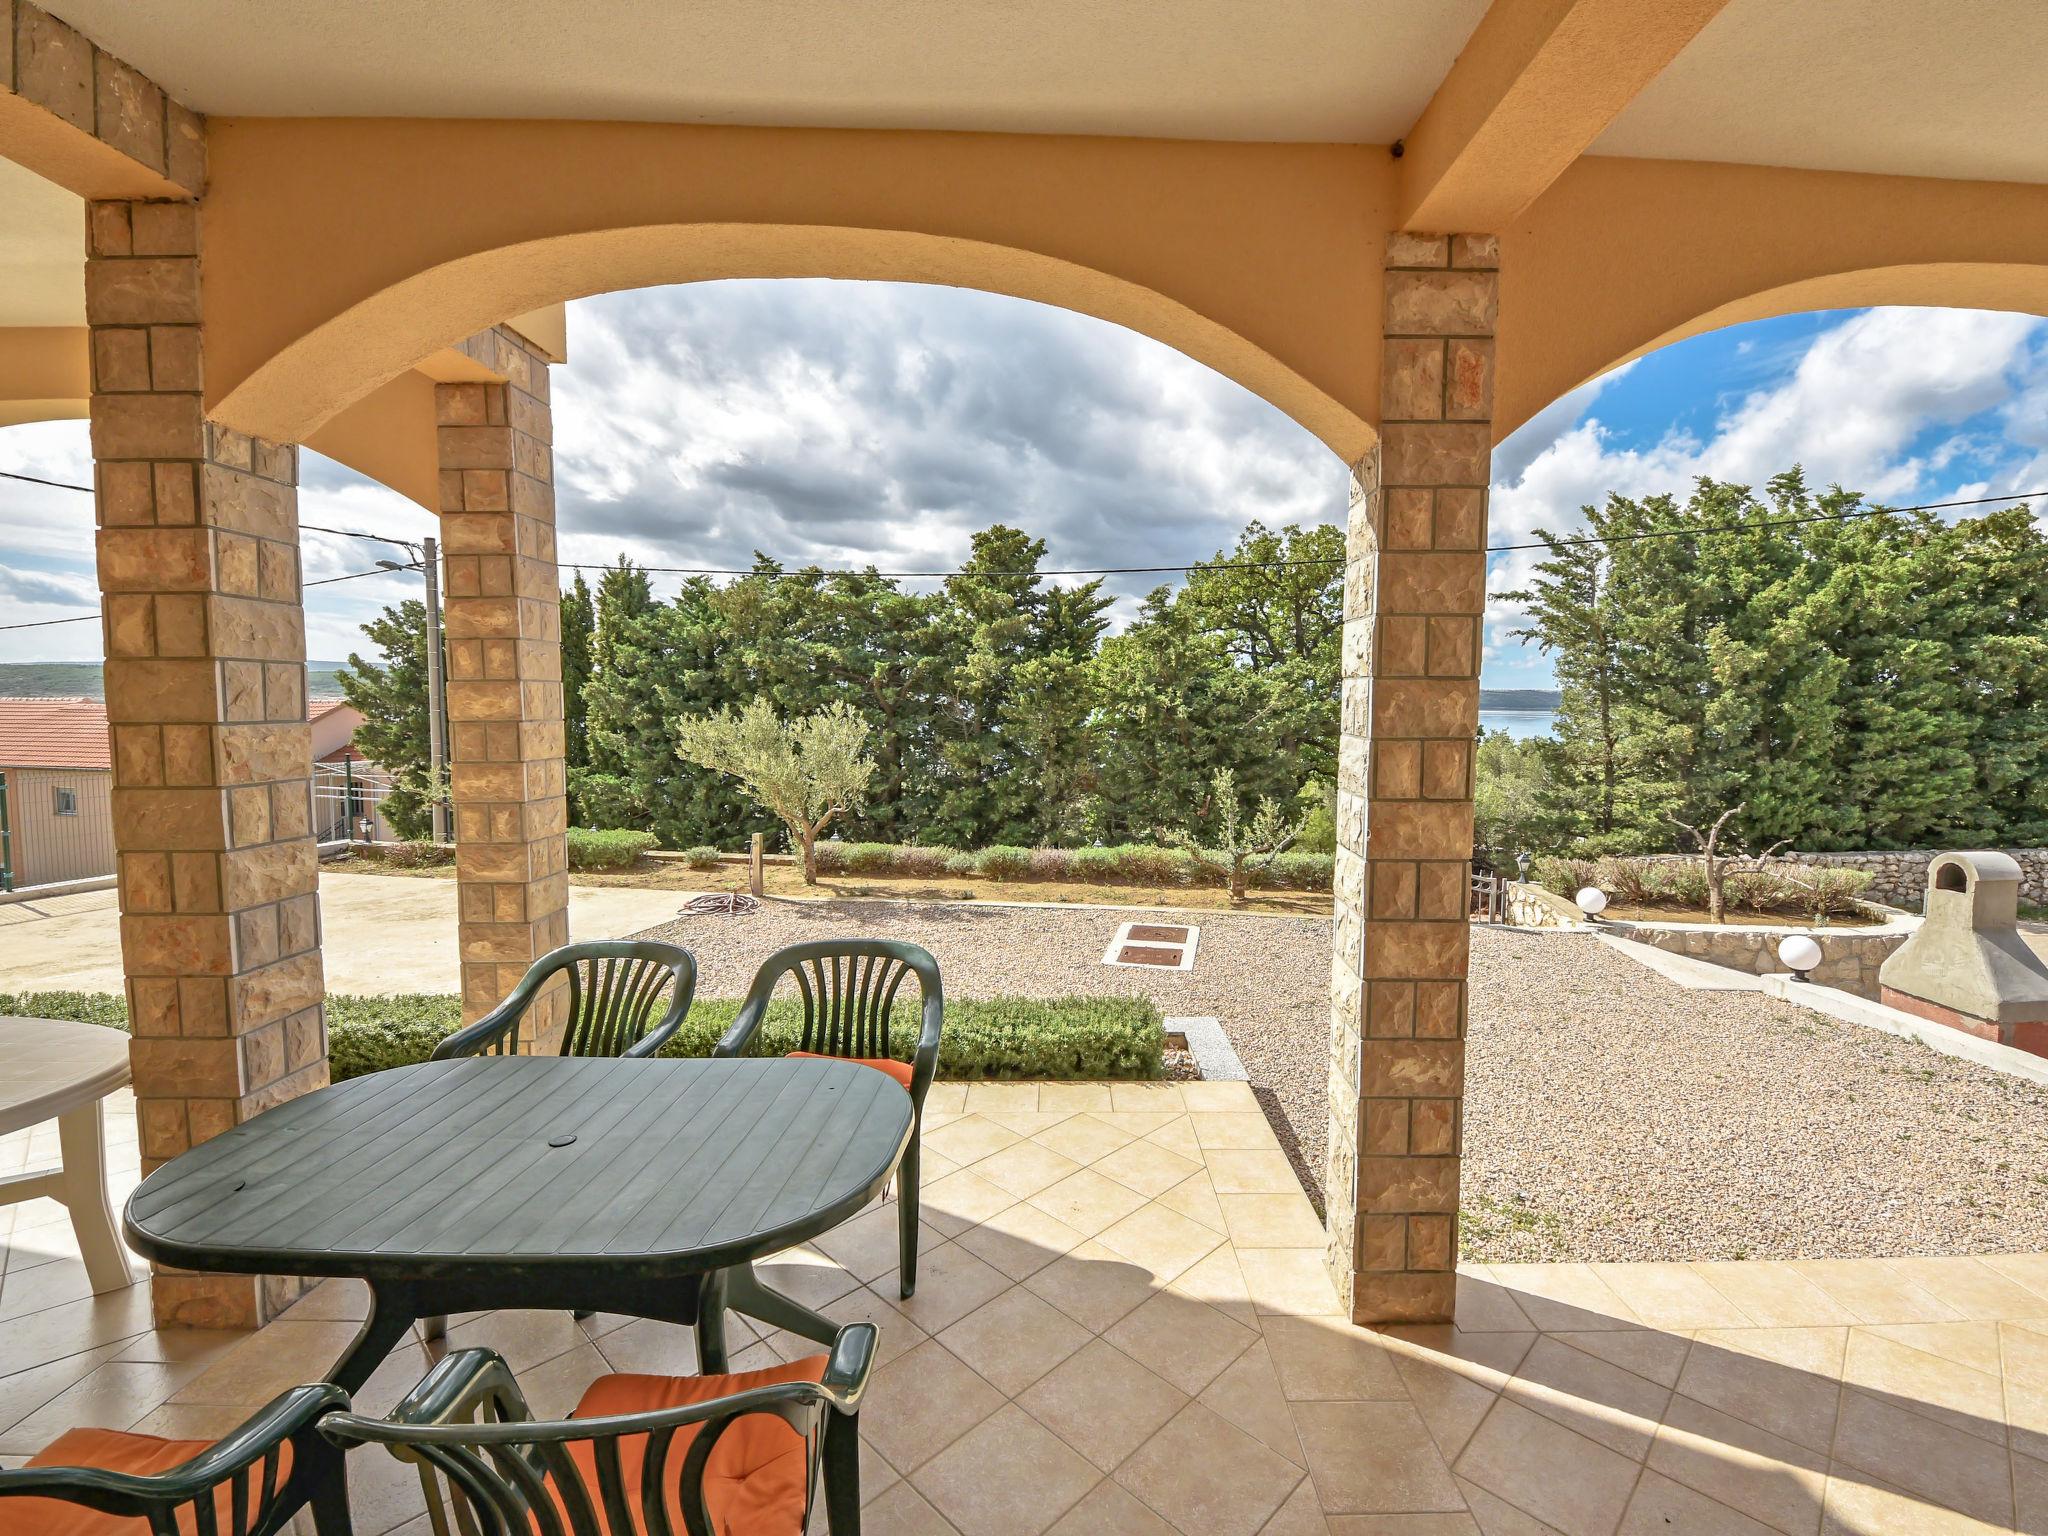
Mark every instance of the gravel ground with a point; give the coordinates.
(1610, 1114)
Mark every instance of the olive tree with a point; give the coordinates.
(806, 772)
(1236, 845)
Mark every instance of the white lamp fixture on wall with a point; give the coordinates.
(1799, 955)
(1591, 900)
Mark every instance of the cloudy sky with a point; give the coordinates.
(845, 423)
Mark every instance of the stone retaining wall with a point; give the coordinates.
(1900, 877)
(1532, 906)
(1850, 958)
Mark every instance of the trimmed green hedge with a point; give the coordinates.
(997, 1037)
(1125, 864)
(608, 849)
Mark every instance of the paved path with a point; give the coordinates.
(384, 933)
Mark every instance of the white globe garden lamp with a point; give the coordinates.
(1591, 900)
(1798, 954)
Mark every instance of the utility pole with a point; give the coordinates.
(436, 702)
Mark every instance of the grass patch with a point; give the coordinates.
(995, 1037)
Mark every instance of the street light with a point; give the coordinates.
(429, 564)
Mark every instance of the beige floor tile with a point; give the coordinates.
(1181, 1340)
(1108, 1509)
(112, 1396)
(1564, 1296)
(1497, 1517)
(527, 1339)
(897, 1332)
(1403, 1525)
(1147, 1167)
(1195, 1198)
(1783, 1380)
(903, 1511)
(1092, 1285)
(1248, 1395)
(1208, 1477)
(2024, 1269)
(1026, 1168)
(1374, 1458)
(1251, 1173)
(2030, 1495)
(1660, 1507)
(1234, 1131)
(959, 1200)
(1219, 1097)
(1288, 1281)
(985, 1098)
(23, 1392)
(1736, 1464)
(1487, 1358)
(1088, 1202)
(1452, 1405)
(1008, 1476)
(1178, 1136)
(1164, 1241)
(2023, 1349)
(1140, 1123)
(868, 1245)
(1071, 1098)
(2026, 1416)
(1874, 1292)
(805, 1275)
(1862, 1506)
(1084, 1138)
(1103, 1403)
(1970, 1287)
(951, 1282)
(1972, 1344)
(1486, 1306)
(1331, 1358)
(264, 1364)
(1546, 1470)
(970, 1139)
(1934, 1461)
(1671, 1296)
(331, 1301)
(945, 1099)
(1147, 1098)
(645, 1347)
(74, 1327)
(193, 1421)
(31, 1289)
(1302, 1515)
(1014, 1340)
(1030, 1122)
(1775, 1295)
(921, 1402)
(1652, 1355)
(1603, 1402)
(1021, 1240)
(1217, 1281)
(1273, 1221)
(1956, 1395)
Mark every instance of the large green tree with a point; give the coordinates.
(391, 693)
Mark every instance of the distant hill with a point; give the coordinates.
(81, 680)
(1541, 699)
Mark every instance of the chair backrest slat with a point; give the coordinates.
(848, 993)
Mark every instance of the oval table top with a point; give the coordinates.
(495, 1164)
(49, 1066)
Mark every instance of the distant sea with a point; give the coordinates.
(1518, 723)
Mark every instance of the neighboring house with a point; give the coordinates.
(56, 775)
(56, 778)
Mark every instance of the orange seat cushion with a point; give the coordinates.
(758, 1473)
(114, 1450)
(900, 1070)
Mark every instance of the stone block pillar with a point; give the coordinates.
(504, 621)
(1415, 593)
(206, 706)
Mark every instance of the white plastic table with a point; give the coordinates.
(53, 1070)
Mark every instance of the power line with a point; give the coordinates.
(57, 485)
(325, 581)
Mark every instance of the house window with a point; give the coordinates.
(67, 802)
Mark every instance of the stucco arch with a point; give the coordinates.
(1622, 257)
(327, 274)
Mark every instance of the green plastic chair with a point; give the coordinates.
(250, 1482)
(482, 1458)
(849, 988)
(627, 997)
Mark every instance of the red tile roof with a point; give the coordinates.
(53, 733)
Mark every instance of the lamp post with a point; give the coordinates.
(429, 562)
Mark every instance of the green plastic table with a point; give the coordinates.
(643, 1187)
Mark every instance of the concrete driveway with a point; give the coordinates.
(384, 933)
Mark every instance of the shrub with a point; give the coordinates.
(417, 853)
(1296, 870)
(703, 856)
(998, 1037)
(1003, 863)
(1795, 890)
(610, 849)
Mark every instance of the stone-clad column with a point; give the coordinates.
(206, 706)
(1415, 596)
(504, 621)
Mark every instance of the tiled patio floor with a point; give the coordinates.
(1123, 1326)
